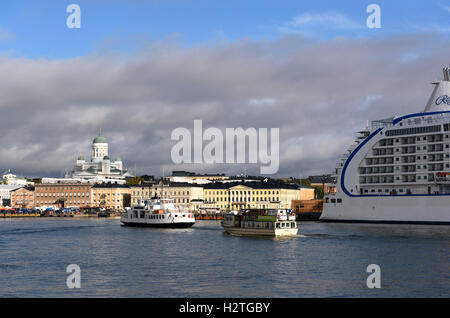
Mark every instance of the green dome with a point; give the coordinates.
(105, 158)
(100, 140)
(117, 159)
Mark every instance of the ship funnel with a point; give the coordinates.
(440, 98)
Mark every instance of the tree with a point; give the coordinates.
(318, 192)
(135, 180)
(305, 182)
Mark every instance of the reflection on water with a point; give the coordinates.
(323, 260)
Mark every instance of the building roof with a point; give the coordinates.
(29, 188)
(180, 173)
(321, 179)
(110, 185)
(253, 185)
(100, 139)
(168, 184)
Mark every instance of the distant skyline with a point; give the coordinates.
(139, 69)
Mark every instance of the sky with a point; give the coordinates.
(139, 69)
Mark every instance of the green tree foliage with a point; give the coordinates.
(305, 182)
(318, 192)
(134, 180)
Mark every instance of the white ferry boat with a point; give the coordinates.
(158, 213)
(398, 170)
(261, 223)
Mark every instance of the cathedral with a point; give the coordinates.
(100, 168)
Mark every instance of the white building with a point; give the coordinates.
(12, 179)
(5, 193)
(100, 168)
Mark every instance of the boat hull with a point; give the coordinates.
(176, 225)
(261, 232)
(395, 209)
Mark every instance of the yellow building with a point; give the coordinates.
(253, 195)
(184, 195)
(110, 196)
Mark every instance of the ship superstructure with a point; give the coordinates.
(398, 169)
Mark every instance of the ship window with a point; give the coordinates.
(339, 200)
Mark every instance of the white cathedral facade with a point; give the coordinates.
(100, 168)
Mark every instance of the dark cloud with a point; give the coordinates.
(317, 93)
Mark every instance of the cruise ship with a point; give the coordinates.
(398, 169)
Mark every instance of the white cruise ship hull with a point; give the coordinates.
(395, 209)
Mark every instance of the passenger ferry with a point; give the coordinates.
(261, 223)
(398, 169)
(158, 213)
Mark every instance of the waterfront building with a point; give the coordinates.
(12, 179)
(23, 197)
(252, 195)
(184, 195)
(327, 182)
(64, 193)
(5, 193)
(305, 206)
(192, 177)
(110, 196)
(100, 168)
